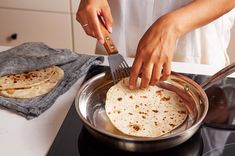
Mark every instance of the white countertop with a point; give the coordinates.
(22, 137)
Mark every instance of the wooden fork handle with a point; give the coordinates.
(108, 42)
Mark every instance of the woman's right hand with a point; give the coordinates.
(88, 14)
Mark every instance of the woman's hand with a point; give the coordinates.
(154, 53)
(88, 15)
(155, 49)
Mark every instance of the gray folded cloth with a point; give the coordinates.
(32, 56)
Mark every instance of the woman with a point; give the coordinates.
(156, 32)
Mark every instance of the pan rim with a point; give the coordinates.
(196, 125)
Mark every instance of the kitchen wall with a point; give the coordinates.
(52, 22)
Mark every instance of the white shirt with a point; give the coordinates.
(205, 45)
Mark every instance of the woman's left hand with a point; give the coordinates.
(154, 53)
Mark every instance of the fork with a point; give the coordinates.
(118, 66)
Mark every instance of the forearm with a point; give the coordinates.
(198, 13)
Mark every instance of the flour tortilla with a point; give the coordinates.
(37, 90)
(149, 112)
(27, 79)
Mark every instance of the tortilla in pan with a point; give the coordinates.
(149, 112)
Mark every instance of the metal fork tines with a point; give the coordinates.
(119, 67)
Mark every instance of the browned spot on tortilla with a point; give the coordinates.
(109, 113)
(131, 97)
(159, 92)
(182, 112)
(165, 111)
(172, 125)
(155, 111)
(165, 98)
(142, 113)
(11, 91)
(137, 106)
(144, 97)
(181, 101)
(144, 117)
(135, 127)
(130, 113)
(171, 118)
(118, 111)
(163, 131)
(155, 123)
(119, 99)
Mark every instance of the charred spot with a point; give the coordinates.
(159, 92)
(135, 127)
(144, 97)
(155, 111)
(15, 81)
(181, 112)
(155, 123)
(144, 117)
(181, 101)
(118, 111)
(142, 113)
(119, 99)
(171, 118)
(163, 131)
(137, 106)
(165, 99)
(130, 113)
(172, 125)
(131, 97)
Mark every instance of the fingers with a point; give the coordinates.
(108, 19)
(96, 27)
(156, 74)
(152, 71)
(135, 70)
(88, 15)
(147, 69)
(166, 71)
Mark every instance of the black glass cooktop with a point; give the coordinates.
(216, 137)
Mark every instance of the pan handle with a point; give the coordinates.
(218, 76)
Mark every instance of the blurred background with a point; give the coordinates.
(52, 22)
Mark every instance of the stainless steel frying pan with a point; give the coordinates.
(90, 102)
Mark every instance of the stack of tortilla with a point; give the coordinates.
(30, 84)
(149, 112)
